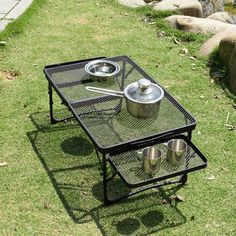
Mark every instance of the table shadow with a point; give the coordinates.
(76, 177)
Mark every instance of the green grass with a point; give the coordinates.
(231, 8)
(52, 183)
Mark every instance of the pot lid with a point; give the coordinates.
(144, 91)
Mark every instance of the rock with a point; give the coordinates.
(211, 6)
(132, 3)
(186, 7)
(212, 43)
(226, 46)
(234, 19)
(221, 16)
(227, 53)
(232, 71)
(198, 25)
(172, 21)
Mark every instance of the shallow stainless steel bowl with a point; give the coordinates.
(102, 70)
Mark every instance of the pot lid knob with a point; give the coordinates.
(144, 84)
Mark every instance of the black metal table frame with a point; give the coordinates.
(103, 155)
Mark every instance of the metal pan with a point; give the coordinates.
(143, 98)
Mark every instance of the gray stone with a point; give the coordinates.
(212, 43)
(186, 7)
(232, 71)
(198, 25)
(227, 53)
(19, 9)
(226, 47)
(234, 19)
(221, 16)
(211, 6)
(132, 3)
(7, 5)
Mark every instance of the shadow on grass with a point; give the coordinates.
(220, 74)
(72, 166)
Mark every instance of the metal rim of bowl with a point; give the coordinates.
(117, 67)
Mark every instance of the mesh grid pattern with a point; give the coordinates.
(130, 167)
(105, 117)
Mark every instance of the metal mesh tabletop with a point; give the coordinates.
(104, 117)
(129, 165)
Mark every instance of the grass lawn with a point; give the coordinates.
(51, 184)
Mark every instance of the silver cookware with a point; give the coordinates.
(176, 149)
(151, 160)
(143, 98)
(102, 70)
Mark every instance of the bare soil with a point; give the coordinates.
(8, 75)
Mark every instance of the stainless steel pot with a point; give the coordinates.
(102, 70)
(143, 98)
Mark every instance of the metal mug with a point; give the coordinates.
(176, 149)
(151, 157)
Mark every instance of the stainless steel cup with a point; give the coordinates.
(176, 149)
(151, 160)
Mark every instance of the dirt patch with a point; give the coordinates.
(80, 21)
(8, 75)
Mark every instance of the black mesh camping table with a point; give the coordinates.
(112, 130)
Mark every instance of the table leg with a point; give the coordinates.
(189, 135)
(157, 185)
(52, 119)
(104, 171)
(103, 161)
(184, 177)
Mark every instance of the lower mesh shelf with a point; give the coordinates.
(129, 166)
